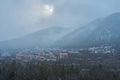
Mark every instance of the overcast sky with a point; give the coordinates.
(20, 17)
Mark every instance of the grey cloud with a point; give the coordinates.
(14, 17)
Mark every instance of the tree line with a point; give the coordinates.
(15, 70)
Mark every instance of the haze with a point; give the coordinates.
(21, 17)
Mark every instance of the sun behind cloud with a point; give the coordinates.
(48, 9)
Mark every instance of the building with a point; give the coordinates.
(51, 57)
(40, 58)
(23, 56)
(63, 55)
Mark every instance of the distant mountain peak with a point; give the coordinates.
(113, 17)
(106, 31)
(96, 33)
(115, 14)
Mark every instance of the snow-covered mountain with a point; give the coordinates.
(104, 31)
(41, 38)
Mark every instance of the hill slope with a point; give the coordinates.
(98, 32)
(42, 38)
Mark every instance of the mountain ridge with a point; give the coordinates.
(105, 31)
(98, 32)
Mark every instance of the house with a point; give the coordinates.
(40, 57)
(23, 56)
(51, 57)
(63, 55)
